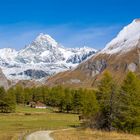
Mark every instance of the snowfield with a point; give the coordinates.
(126, 40)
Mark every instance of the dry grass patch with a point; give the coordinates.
(87, 134)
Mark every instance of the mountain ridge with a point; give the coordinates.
(119, 56)
(42, 58)
(126, 39)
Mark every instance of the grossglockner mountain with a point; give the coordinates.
(42, 58)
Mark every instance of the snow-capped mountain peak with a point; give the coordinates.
(45, 38)
(126, 40)
(43, 57)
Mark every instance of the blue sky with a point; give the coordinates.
(73, 23)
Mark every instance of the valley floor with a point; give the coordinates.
(26, 120)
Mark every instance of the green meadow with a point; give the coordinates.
(26, 120)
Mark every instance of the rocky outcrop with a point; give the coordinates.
(92, 68)
(34, 74)
(76, 58)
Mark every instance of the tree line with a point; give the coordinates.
(65, 99)
(111, 106)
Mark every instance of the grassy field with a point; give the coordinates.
(87, 134)
(26, 120)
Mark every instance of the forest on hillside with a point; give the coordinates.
(111, 106)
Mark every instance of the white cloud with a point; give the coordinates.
(69, 35)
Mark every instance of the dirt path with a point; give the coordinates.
(43, 135)
(40, 135)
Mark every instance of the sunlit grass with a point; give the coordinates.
(27, 119)
(88, 134)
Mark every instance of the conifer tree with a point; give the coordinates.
(7, 101)
(89, 103)
(19, 92)
(107, 98)
(129, 105)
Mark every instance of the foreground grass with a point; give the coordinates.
(26, 120)
(87, 134)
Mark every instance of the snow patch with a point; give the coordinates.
(126, 40)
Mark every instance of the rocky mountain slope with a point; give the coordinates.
(42, 58)
(119, 56)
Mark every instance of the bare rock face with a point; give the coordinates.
(94, 67)
(132, 67)
(3, 80)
